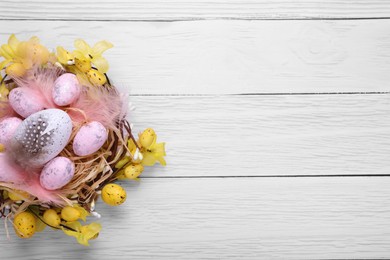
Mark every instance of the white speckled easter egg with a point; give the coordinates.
(41, 137)
(7, 129)
(25, 102)
(66, 89)
(57, 173)
(89, 138)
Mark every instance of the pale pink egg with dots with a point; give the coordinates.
(8, 128)
(25, 102)
(66, 89)
(57, 173)
(89, 139)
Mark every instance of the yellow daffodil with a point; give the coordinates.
(154, 153)
(21, 56)
(85, 53)
(82, 233)
(80, 62)
(8, 51)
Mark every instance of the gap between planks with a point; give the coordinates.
(196, 19)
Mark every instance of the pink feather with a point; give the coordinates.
(40, 81)
(104, 105)
(15, 177)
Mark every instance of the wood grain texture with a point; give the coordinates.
(229, 57)
(234, 218)
(269, 135)
(190, 10)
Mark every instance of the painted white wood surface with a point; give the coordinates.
(233, 218)
(229, 57)
(192, 10)
(181, 76)
(265, 135)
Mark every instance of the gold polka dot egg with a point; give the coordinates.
(113, 194)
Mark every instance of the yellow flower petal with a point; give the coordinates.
(83, 233)
(148, 159)
(100, 63)
(34, 40)
(13, 42)
(4, 63)
(82, 46)
(101, 47)
(81, 56)
(63, 55)
(7, 52)
(83, 213)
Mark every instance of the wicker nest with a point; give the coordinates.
(92, 172)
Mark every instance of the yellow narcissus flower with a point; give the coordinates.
(82, 233)
(8, 51)
(84, 52)
(21, 56)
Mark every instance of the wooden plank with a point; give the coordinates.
(229, 57)
(244, 218)
(269, 135)
(190, 10)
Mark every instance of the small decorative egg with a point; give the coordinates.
(70, 214)
(113, 194)
(51, 218)
(89, 138)
(96, 78)
(133, 171)
(25, 224)
(57, 173)
(17, 195)
(148, 137)
(41, 137)
(7, 129)
(83, 65)
(25, 102)
(66, 89)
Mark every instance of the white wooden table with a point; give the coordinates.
(276, 116)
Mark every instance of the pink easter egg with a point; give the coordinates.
(25, 102)
(66, 89)
(89, 138)
(57, 173)
(8, 128)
